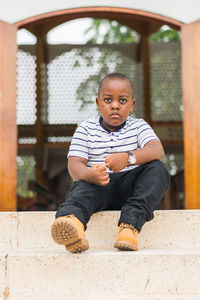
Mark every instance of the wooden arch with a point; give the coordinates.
(126, 16)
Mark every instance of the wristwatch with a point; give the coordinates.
(132, 158)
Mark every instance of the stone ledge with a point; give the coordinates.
(169, 229)
(58, 274)
(134, 297)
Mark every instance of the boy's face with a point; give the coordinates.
(115, 102)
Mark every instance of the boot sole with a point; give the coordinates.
(64, 233)
(126, 246)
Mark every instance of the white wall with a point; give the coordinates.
(186, 11)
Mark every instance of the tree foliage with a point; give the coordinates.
(25, 172)
(165, 34)
(105, 31)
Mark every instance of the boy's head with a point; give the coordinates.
(115, 100)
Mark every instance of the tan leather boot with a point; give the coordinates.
(69, 231)
(127, 238)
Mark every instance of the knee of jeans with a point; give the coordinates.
(85, 188)
(157, 164)
(83, 183)
(161, 169)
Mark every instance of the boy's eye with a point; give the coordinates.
(123, 100)
(107, 100)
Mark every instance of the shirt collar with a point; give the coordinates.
(101, 123)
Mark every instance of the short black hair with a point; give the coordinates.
(115, 75)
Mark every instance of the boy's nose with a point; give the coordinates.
(115, 105)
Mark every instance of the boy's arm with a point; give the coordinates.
(151, 151)
(78, 169)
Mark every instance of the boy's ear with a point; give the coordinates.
(97, 103)
(133, 104)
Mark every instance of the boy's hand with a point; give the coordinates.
(117, 161)
(78, 169)
(98, 175)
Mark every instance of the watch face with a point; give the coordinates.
(132, 159)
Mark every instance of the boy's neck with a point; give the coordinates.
(110, 130)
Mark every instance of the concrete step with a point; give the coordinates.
(136, 297)
(107, 273)
(168, 230)
(167, 266)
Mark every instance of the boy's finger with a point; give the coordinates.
(102, 167)
(97, 166)
(104, 176)
(107, 159)
(108, 165)
(106, 181)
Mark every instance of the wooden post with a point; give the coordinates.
(8, 127)
(145, 59)
(146, 83)
(40, 60)
(191, 101)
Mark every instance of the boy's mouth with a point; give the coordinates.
(115, 116)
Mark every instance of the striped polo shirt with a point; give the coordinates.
(94, 142)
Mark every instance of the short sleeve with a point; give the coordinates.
(145, 133)
(79, 143)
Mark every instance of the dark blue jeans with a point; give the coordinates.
(136, 193)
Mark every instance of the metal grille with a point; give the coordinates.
(74, 75)
(166, 95)
(169, 133)
(26, 86)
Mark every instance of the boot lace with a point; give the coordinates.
(129, 226)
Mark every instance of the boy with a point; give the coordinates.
(115, 161)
